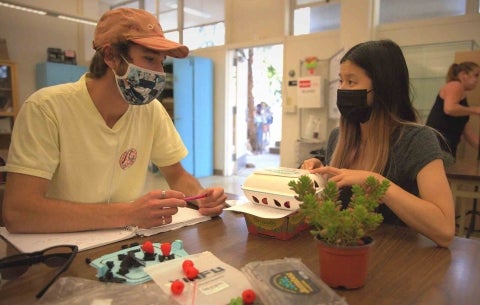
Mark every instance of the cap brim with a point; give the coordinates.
(171, 48)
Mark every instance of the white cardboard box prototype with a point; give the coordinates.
(269, 187)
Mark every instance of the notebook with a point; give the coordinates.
(92, 239)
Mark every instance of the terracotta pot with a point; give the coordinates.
(344, 267)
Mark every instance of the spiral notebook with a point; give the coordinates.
(92, 239)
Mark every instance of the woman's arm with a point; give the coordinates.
(470, 136)
(452, 93)
(431, 214)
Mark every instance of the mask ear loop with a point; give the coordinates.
(125, 59)
(126, 71)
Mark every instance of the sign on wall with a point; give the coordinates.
(309, 92)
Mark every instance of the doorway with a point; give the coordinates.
(256, 97)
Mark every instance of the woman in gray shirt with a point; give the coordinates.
(378, 136)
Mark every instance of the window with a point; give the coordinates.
(311, 16)
(168, 19)
(201, 24)
(201, 12)
(396, 11)
(427, 66)
(131, 4)
(204, 36)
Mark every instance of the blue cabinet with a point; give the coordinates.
(193, 111)
(51, 73)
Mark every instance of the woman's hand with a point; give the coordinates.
(311, 163)
(345, 177)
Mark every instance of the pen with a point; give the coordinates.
(195, 197)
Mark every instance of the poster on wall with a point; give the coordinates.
(309, 92)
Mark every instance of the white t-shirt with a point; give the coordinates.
(60, 135)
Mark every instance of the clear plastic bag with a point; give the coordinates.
(79, 291)
(288, 281)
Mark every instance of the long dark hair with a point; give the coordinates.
(385, 65)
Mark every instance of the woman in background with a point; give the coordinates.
(378, 136)
(450, 112)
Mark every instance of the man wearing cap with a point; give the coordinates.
(80, 151)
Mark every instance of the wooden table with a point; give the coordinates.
(464, 178)
(405, 268)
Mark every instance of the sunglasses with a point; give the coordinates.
(14, 266)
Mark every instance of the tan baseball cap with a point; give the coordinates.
(137, 26)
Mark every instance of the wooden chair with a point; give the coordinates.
(465, 194)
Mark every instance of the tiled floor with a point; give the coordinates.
(260, 161)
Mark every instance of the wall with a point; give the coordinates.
(250, 21)
(436, 30)
(29, 35)
(323, 45)
(357, 21)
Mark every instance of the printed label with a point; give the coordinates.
(294, 282)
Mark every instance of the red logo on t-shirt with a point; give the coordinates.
(128, 158)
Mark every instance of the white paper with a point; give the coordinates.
(216, 284)
(257, 210)
(84, 240)
(184, 217)
(92, 239)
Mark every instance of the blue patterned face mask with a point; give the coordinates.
(139, 86)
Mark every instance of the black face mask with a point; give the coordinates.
(353, 106)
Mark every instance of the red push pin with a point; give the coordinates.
(191, 272)
(166, 248)
(186, 264)
(248, 296)
(147, 247)
(177, 287)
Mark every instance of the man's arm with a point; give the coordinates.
(26, 209)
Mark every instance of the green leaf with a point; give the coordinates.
(331, 223)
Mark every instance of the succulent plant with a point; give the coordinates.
(333, 224)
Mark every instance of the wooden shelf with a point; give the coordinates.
(9, 100)
(7, 114)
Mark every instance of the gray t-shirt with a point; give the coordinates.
(417, 146)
